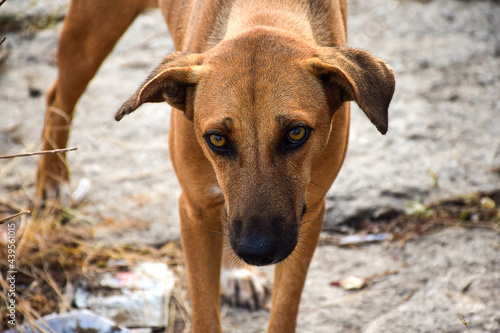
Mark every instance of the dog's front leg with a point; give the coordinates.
(290, 275)
(202, 247)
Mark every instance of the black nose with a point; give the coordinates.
(257, 250)
(263, 239)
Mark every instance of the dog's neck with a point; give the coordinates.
(289, 16)
(318, 23)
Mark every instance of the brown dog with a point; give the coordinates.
(261, 91)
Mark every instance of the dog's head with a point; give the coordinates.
(262, 106)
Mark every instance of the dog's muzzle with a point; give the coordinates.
(262, 242)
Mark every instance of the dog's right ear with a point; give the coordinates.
(173, 81)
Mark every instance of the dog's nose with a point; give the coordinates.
(258, 250)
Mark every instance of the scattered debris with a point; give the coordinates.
(355, 283)
(478, 210)
(34, 92)
(487, 203)
(349, 283)
(417, 208)
(462, 319)
(137, 298)
(74, 321)
(52, 257)
(366, 238)
(81, 191)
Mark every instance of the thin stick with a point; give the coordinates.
(55, 151)
(2, 221)
(462, 319)
(3, 38)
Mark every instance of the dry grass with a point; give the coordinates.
(55, 248)
(51, 256)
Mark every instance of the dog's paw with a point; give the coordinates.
(244, 287)
(58, 193)
(53, 193)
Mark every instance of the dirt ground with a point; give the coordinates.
(444, 140)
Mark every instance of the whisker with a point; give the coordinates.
(290, 260)
(219, 233)
(306, 246)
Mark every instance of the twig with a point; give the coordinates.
(2, 221)
(462, 319)
(55, 151)
(378, 276)
(3, 38)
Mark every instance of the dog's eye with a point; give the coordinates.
(297, 136)
(218, 143)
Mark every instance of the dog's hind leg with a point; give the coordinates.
(90, 31)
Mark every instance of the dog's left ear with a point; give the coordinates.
(360, 76)
(173, 81)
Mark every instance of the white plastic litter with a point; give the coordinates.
(73, 322)
(138, 298)
(81, 191)
(359, 239)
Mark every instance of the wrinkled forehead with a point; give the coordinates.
(257, 76)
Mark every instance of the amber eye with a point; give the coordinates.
(217, 141)
(297, 137)
(297, 134)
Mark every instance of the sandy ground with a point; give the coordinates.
(444, 140)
